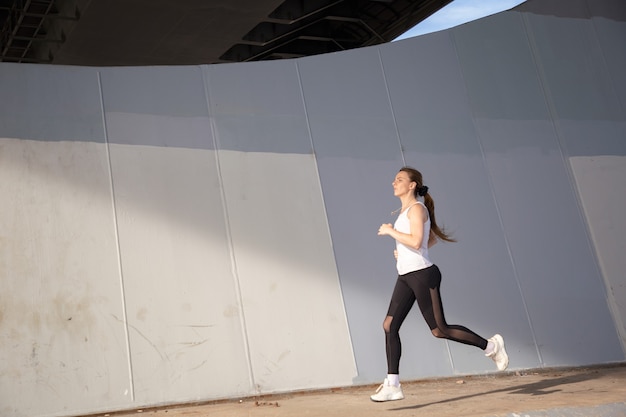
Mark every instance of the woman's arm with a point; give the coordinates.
(417, 217)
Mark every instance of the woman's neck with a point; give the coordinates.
(407, 201)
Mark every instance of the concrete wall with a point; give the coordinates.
(175, 234)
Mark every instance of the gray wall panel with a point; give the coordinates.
(172, 231)
(184, 314)
(63, 103)
(284, 263)
(258, 107)
(356, 177)
(290, 292)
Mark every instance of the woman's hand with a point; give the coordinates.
(385, 229)
(395, 254)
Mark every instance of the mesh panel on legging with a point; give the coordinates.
(423, 286)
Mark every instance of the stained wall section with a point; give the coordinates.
(176, 234)
(179, 289)
(61, 338)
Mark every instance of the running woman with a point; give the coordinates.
(414, 231)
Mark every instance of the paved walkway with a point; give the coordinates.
(579, 392)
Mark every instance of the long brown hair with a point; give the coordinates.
(416, 177)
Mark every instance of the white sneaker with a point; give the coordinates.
(388, 392)
(499, 355)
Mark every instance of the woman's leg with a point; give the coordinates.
(425, 284)
(402, 301)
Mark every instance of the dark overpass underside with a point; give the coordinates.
(190, 32)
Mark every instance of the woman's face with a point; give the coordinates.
(402, 184)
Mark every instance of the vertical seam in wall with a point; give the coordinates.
(330, 237)
(393, 113)
(117, 242)
(508, 248)
(497, 207)
(229, 238)
(552, 113)
(562, 147)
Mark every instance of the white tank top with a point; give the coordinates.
(410, 259)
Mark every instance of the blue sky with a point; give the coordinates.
(459, 12)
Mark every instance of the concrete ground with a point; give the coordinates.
(580, 392)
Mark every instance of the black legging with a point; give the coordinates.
(423, 286)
